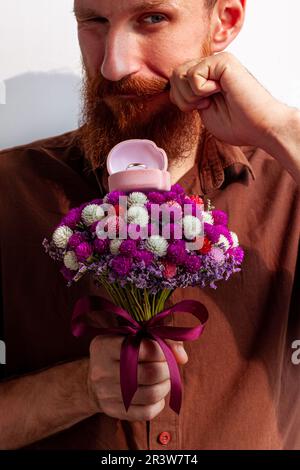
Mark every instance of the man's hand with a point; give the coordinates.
(237, 109)
(153, 378)
(234, 107)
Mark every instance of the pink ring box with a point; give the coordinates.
(138, 165)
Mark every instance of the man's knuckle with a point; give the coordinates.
(153, 394)
(149, 412)
(149, 373)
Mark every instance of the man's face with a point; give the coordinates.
(130, 49)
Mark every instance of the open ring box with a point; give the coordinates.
(138, 164)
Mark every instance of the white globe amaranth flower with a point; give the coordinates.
(138, 215)
(235, 239)
(100, 232)
(70, 261)
(192, 226)
(223, 243)
(137, 199)
(114, 246)
(207, 218)
(157, 245)
(61, 236)
(92, 213)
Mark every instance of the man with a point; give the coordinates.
(151, 71)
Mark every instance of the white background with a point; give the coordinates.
(40, 62)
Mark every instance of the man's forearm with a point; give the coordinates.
(283, 142)
(38, 405)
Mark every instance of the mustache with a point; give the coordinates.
(140, 87)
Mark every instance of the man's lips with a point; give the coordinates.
(137, 97)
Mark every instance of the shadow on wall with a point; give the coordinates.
(39, 105)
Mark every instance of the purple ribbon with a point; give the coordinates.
(134, 333)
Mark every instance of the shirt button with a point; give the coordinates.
(164, 438)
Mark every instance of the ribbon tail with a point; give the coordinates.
(81, 309)
(129, 368)
(176, 390)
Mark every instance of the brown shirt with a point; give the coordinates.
(241, 390)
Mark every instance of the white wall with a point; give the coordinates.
(40, 62)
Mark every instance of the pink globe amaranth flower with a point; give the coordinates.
(128, 247)
(170, 195)
(75, 240)
(121, 265)
(83, 251)
(156, 197)
(176, 252)
(170, 270)
(192, 263)
(177, 188)
(238, 253)
(113, 197)
(93, 226)
(145, 256)
(101, 246)
(213, 232)
(220, 217)
(217, 254)
(97, 201)
(72, 218)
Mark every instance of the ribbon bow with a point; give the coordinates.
(134, 333)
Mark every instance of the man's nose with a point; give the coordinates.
(121, 56)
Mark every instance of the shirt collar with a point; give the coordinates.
(221, 164)
(218, 164)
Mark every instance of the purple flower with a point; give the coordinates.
(93, 226)
(83, 251)
(177, 189)
(121, 265)
(192, 263)
(113, 197)
(156, 197)
(177, 252)
(97, 201)
(128, 247)
(145, 256)
(220, 217)
(237, 253)
(72, 218)
(101, 246)
(170, 195)
(75, 240)
(217, 254)
(213, 232)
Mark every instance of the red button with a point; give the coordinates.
(164, 438)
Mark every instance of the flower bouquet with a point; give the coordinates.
(141, 244)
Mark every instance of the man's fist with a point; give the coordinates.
(233, 105)
(153, 378)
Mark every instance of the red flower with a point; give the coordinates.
(206, 246)
(170, 270)
(197, 199)
(120, 210)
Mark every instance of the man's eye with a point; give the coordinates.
(98, 19)
(154, 19)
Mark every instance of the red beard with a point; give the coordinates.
(108, 119)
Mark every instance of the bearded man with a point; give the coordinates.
(156, 69)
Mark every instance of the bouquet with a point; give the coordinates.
(141, 245)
